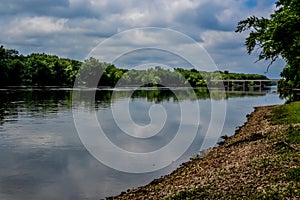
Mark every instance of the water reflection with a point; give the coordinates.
(53, 100)
(43, 158)
(290, 95)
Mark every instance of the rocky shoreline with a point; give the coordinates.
(246, 165)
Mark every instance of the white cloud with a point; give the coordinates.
(71, 28)
(36, 26)
(221, 39)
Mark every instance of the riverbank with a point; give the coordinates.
(262, 160)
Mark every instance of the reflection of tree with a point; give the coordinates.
(2, 113)
(45, 102)
(290, 95)
(33, 102)
(156, 96)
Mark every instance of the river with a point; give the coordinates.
(43, 157)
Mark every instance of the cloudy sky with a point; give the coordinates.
(73, 28)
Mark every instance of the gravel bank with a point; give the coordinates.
(248, 165)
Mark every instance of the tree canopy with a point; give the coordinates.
(278, 35)
(36, 69)
(50, 70)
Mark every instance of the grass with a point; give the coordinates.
(280, 193)
(286, 114)
(293, 136)
(293, 174)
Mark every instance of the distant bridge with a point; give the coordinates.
(258, 83)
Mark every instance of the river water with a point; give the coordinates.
(42, 156)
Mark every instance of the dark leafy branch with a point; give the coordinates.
(277, 36)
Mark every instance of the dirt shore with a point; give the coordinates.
(248, 165)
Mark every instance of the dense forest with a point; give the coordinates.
(50, 70)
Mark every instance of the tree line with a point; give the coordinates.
(35, 69)
(50, 70)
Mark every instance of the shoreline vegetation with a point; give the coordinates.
(50, 70)
(261, 161)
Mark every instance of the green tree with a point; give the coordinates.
(110, 76)
(10, 67)
(278, 35)
(91, 71)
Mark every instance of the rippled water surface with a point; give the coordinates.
(42, 156)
